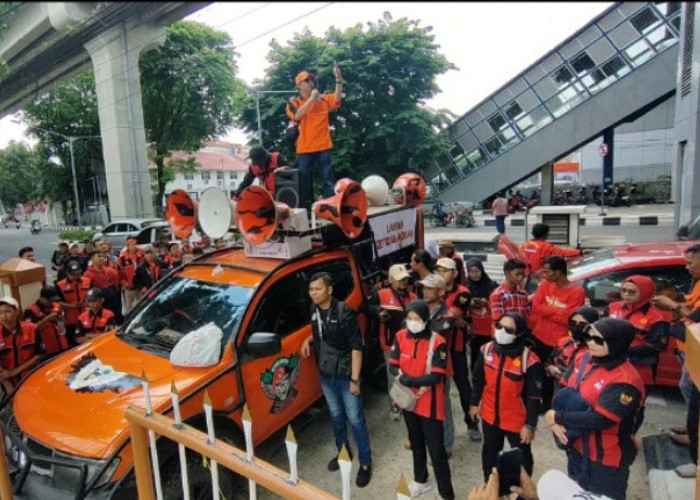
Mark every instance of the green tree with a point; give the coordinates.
(19, 167)
(389, 68)
(188, 86)
(68, 110)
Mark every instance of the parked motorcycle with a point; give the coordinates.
(438, 220)
(460, 216)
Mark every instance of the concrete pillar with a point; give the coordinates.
(685, 180)
(115, 55)
(609, 140)
(547, 192)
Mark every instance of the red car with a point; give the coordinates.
(601, 274)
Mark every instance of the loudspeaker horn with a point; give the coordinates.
(347, 209)
(217, 213)
(181, 213)
(257, 214)
(409, 189)
(376, 188)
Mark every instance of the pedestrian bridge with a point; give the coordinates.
(613, 70)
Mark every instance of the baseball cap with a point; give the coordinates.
(445, 242)
(555, 485)
(447, 263)
(398, 272)
(94, 294)
(433, 281)
(303, 75)
(74, 267)
(10, 302)
(50, 292)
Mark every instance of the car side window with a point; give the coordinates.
(130, 228)
(283, 309)
(603, 289)
(112, 228)
(144, 237)
(341, 272)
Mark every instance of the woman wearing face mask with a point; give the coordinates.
(508, 383)
(652, 324)
(480, 288)
(608, 382)
(571, 347)
(413, 347)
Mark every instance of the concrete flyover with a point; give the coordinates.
(47, 43)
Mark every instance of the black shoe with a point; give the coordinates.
(363, 476)
(333, 464)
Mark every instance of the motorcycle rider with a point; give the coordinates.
(439, 211)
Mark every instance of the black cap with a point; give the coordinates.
(50, 292)
(74, 267)
(94, 294)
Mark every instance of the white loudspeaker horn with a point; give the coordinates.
(376, 188)
(217, 213)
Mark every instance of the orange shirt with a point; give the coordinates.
(551, 308)
(538, 250)
(314, 131)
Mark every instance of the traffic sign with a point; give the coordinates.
(603, 149)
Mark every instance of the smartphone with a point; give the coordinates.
(508, 465)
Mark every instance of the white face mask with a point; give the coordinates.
(503, 338)
(415, 326)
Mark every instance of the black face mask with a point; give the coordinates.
(577, 333)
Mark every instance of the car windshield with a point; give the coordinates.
(597, 260)
(181, 307)
(694, 230)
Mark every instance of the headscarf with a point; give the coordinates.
(647, 289)
(618, 335)
(420, 307)
(590, 314)
(516, 347)
(484, 286)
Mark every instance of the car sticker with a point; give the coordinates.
(90, 375)
(278, 382)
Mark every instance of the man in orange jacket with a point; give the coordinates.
(538, 248)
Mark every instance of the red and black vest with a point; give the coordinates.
(74, 293)
(265, 174)
(53, 335)
(452, 300)
(92, 323)
(17, 348)
(390, 300)
(502, 403)
(128, 264)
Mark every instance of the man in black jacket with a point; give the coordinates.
(338, 344)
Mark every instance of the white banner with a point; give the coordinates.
(394, 231)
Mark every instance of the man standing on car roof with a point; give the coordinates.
(338, 343)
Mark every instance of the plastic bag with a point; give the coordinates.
(403, 396)
(199, 348)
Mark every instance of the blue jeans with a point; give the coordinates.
(342, 406)
(323, 159)
(501, 224)
(685, 384)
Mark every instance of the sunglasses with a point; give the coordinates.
(596, 339)
(579, 324)
(507, 329)
(628, 291)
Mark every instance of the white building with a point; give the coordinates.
(220, 164)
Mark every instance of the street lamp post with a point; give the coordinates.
(258, 94)
(71, 139)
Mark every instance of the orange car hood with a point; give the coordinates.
(76, 402)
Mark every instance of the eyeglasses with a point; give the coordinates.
(628, 291)
(597, 339)
(579, 324)
(507, 329)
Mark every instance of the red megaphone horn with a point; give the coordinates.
(181, 213)
(257, 214)
(409, 189)
(347, 209)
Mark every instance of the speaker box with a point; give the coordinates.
(293, 187)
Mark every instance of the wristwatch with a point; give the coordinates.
(355, 381)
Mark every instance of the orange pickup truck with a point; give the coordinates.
(66, 435)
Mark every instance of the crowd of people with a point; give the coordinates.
(514, 357)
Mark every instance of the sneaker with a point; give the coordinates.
(418, 488)
(474, 434)
(395, 414)
(687, 470)
(363, 476)
(333, 464)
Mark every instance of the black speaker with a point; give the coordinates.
(293, 187)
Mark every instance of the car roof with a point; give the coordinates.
(658, 251)
(137, 222)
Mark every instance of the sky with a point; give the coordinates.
(489, 42)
